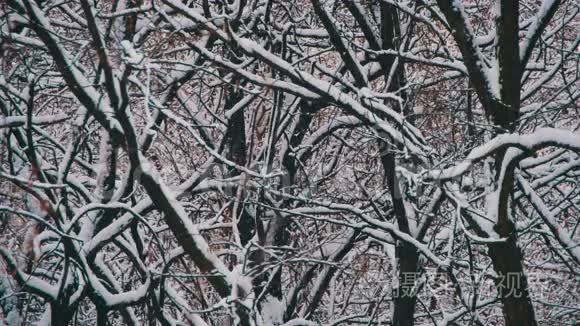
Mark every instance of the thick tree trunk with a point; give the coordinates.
(236, 134)
(512, 285)
(507, 259)
(405, 299)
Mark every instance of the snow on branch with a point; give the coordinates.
(541, 138)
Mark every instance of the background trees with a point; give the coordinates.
(271, 162)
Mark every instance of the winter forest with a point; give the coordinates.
(302, 162)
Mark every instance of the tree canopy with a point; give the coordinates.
(267, 162)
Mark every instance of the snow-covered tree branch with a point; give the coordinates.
(264, 162)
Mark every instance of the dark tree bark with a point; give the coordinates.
(405, 299)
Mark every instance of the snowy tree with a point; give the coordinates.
(289, 162)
